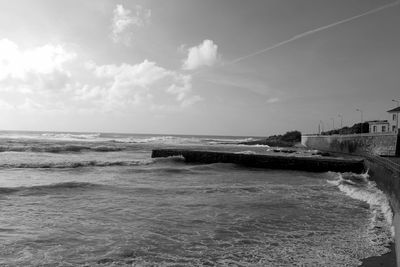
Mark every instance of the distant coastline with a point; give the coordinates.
(289, 139)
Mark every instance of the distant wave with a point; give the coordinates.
(266, 146)
(58, 148)
(89, 163)
(358, 186)
(87, 137)
(44, 189)
(247, 152)
(70, 136)
(174, 140)
(227, 141)
(79, 164)
(125, 138)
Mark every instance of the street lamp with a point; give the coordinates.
(322, 124)
(341, 121)
(361, 126)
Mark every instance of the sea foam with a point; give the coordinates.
(358, 186)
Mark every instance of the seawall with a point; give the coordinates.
(385, 171)
(386, 174)
(375, 144)
(313, 164)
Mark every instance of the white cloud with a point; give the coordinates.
(125, 19)
(141, 85)
(47, 79)
(273, 100)
(45, 59)
(32, 70)
(205, 54)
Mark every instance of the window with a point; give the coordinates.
(374, 129)
(394, 117)
(383, 128)
(393, 128)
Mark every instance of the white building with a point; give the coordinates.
(378, 126)
(394, 119)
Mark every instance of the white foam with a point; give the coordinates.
(54, 136)
(70, 136)
(247, 152)
(266, 146)
(365, 191)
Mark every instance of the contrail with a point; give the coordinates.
(304, 34)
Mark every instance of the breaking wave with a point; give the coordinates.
(58, 148)
(78, 164)
(126, 138)
(227, 141)
(89, 163)
(358, 186)
(70, 136)
(44, 189)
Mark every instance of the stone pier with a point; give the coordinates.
(312, 164)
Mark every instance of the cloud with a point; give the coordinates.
(49, 77)
(33, 70)
(124, 20)
(140, 85)
(273, 100)
(205, 54)
(17, 64)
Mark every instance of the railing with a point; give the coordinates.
(353, 135)
(385, 162)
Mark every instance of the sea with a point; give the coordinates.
(99, 199)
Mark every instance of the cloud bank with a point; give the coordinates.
(33, 70)
(140, 85)
(124, 20)
(205, 54)
(49, 77)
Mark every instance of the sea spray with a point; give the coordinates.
(358, 186)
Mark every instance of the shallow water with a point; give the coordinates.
(100, 200)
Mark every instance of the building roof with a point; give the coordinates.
(378, 122)
(395, 110)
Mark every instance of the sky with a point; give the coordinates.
(213, 67)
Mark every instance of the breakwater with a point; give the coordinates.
(383, 144)
(313, 164)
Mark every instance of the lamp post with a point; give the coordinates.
(341, 122)
(361, 126)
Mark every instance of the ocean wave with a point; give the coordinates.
(227, 141)
(58, 148)
(69, 136)
(44, 189)
(257, 145)
(125, 138)
(247, 152)
(173, 140)
(87, 137)
(69, 165)
(358, 186)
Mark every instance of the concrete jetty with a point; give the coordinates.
(312, 164)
